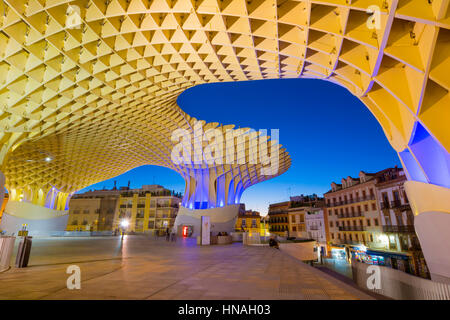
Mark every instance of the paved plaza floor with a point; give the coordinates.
(147, 268)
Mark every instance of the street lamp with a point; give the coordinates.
(124, 225)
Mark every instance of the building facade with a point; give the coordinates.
(315, 227)
(151, 209)
(369, 218)
(93, 210)
(352, 212)
(296, 219)
(278, 218)
(287, 219)
(248, 221)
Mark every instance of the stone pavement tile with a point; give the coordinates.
(159, 270)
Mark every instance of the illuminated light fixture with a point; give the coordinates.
(124, 223)
(185, 231)
(48, 159)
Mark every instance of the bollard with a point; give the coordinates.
(23, 253)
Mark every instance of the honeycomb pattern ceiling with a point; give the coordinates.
(99, 99)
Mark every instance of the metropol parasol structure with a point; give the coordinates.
(89, 89)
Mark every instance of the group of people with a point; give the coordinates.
(171, 235)
(222, 234)
(273, 243)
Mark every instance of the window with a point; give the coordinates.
(332, 236)
(374, 206)
(336, 212)
(375, 221)
(368, 222)
(396, 195)
(359, 209)
(366, 207)
(75, 222)
(331, 223)
(371, 238)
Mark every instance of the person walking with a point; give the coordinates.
(167, 234)
(173, 235)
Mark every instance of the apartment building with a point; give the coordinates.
(151, 209)
(397, 218)
(369, 218)
(278, 218)
(287, 218)
(93, 210)
(352, 212)
(248, 221)
(315, 227)
(296, 220)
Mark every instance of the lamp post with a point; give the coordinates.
(124, 225)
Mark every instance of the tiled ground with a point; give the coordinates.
(145, 268)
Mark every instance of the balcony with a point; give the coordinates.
(397, 205)
(168, 206)
(350, 201)
(399, 229)
(345, 241)
(384, 205)
(141, 205)
(352, 228)
(315, 228)
(350, 215)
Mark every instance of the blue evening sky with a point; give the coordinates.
(328, 132)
